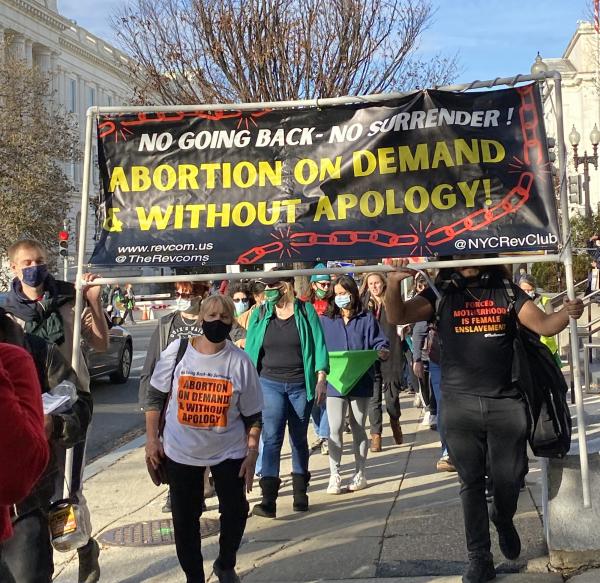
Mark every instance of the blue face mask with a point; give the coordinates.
(342, 301)
(34, 275)
(240, 306)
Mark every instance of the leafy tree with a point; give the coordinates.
(35, 137)
(223, 51)
(551, 276)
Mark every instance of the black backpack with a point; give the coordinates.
(543, 386)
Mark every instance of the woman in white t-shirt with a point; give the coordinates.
(213, 418)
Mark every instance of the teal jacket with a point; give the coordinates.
(312, 340)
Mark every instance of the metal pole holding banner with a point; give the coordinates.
(567, 254)
(565, 257)
(79, 283)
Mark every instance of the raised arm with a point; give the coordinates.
(398, 311)
(549, 324)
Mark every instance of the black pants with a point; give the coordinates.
(480, 429)
(28, 553)
(391, 393)
(187, 492)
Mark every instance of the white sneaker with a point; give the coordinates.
(426, 418)
(335, 484)
(359, 482)
(433, 422)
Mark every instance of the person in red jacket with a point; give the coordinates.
(23, 439)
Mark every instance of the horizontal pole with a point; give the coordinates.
(319, 103)
(329, 270)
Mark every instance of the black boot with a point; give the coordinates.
(300, 485)
(480, 569)
(270, 489)
(89, 569)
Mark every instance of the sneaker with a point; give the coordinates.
(480, 569)
(316, 444)
(445, 465)
(426, 418)
(432, 422)
(335, 484)
(167, 506)
(347, 428)
(359, 482)
(324, 447)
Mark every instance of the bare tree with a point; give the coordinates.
(34, 138)
(223, 51)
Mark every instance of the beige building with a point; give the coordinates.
(578, 66)
(85, 70)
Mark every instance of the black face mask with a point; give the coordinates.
(216, 330)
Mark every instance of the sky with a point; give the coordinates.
(493, 38)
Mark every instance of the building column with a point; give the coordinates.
(29, 52)
(16, 46)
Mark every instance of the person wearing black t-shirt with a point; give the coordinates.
(483, 416)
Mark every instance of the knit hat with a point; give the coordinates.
(322, 276)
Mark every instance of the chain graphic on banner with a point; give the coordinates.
(425, 239)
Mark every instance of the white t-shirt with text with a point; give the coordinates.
(203, 423)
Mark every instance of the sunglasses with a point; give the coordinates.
(183, 295)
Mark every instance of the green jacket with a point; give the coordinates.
(312, 340)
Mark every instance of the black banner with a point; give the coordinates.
(434, 173)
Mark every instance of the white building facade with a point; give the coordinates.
(581, 103)
(84, 71)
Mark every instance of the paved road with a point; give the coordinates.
(116, 415)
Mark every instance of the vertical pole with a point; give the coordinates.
(65, 258)
(85, 194)
(568, 263)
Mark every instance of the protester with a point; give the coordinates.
(44, 307)
(483, 414)
(196, 437)
(23, 438)
(129, 303)
(28, 553)
(319, 291)
(528, 285)
(318, 295)
(182, 323)
(257, 290)
(243, 301)
(116, 301)
(388, 373)
(347, 326)
(427, 368)
(285, 342)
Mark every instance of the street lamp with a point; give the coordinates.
(575, 138)
(538, 65)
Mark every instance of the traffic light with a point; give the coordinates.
(575, 189)
(63, 243)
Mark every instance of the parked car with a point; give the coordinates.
(116, 361)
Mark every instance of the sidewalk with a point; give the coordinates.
(406, 527)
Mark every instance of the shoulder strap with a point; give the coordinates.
(510, 294)
(183, 344)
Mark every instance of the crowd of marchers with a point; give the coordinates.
(233, 367)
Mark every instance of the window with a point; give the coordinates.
(91, 96)
(72, 96)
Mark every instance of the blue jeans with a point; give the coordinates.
(435, 378)
(320, 420)
(285, 403)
